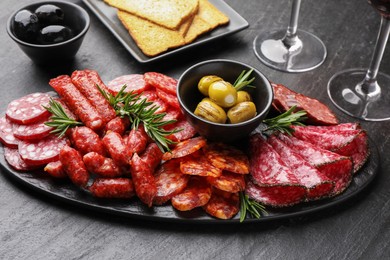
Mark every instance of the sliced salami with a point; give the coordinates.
(34, 131)
(151, 96)
(170, 99)
(227, 157)
(13, 158)
(336, 167)
(7, 137)
(28, 109)
(196, 194)
(317, 184)
(169, 181)
(161, 81)
(133, 82)
(42, 152)
(186, 130)
(185, 148)
(222, 204)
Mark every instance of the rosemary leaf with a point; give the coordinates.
(247, 205)
(283, 122)
(242, 80)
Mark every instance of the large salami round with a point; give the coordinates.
(133, 82)
(41, 152)
(34, 131)
(13, 158)
(7, 137)
(28, 109)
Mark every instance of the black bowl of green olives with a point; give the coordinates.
(224, 100)
(49, 32)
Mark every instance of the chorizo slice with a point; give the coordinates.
(228, 181)
(169, 181)
(85, 140)
(102, 166)
(185, 148)
(73, 165)
(29, 109)
(113, 188)
(227, 157)
(196, 194)
(199, 166)
(222, 204)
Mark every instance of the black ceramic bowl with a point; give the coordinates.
(189, 97)
(75, 18)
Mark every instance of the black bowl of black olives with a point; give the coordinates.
(49, 32)
(224, 100)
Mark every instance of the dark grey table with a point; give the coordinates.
(33, 226)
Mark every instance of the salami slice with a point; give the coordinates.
(185, 148)
(28, 109)
(223, 205)
(317, 112)
(186, 130)
(133, 82)
(169, 181)
(13, 158)
(42, 152)
(151, 96)
(118, 188)
(336, 167)
(170, 99)
(199, 166)
(172, 114)
(228, 181)
(227, 157)
(55, 170)
(161, 81)
(74, 167)
(34, 131)
(7, 137)
(102, 166)
(196, 194)
(316, 183)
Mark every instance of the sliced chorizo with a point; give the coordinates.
(228, 181)
(222, 204)
(185, 148)
(199, 166)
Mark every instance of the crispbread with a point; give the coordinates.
(150, 38)
(167, 13)
(212, 15)
(198, 27)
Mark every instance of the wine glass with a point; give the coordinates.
(292, 50)
(358, 92)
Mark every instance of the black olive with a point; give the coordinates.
(54, 34)
(49, 14)
(26, 26)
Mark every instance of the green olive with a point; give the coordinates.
(210, 111)
(241, 112)
(205, 82)
(223, 93)
(243, 96)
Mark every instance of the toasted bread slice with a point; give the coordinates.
(167, 13)
(150, 38)
(211, 15)
(198, 27)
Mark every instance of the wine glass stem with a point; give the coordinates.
(369, 85)
(291, 35)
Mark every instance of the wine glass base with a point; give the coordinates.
(271, 50)
(342, 92)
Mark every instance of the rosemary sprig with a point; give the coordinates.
(139, 110)
(60, 121)
(283, 122)
(247, 205)
(242, 80)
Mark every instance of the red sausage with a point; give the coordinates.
(55, 170)
(118, 125)
(85, 140)
(101, 165)
(77, 102)
(73, 165)
(119, 188)
(88, 88)
(116, 147)
(137, 140)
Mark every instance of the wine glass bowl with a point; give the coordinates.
(290, 50)
(359, 92)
